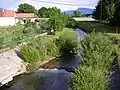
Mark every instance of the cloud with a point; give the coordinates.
(13, 4)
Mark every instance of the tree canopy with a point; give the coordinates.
(104, 10)
(26, 8)
(116, 18)
(76, 14)
(43, 12)
(57, 19)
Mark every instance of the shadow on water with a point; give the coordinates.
(115, 76)
(69, 62)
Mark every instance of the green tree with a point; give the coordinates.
(52, 11)
(76, 14)
(26, 8)
(116, 17)
(104, 10)
(57, 19)
(71, 23)
(43, 12)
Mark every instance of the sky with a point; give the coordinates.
(72, 4)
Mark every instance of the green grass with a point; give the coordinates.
(116, 39)
(97, 27)
(10, 36)
(98, 54)
(14, 35)
(10, 29)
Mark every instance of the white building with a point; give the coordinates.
(10, 17)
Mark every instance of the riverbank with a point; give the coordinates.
(42, 48)
(90, 26)
(98, 54)
(46, 46)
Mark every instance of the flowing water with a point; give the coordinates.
(48, 79)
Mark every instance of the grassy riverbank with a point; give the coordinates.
(98, 53)
(96, 26)
(97, 56)
(116, 40)
(43, 48)
(14, 35)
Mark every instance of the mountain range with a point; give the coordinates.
(2, 9)
(82, 10)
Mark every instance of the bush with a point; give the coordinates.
(40, 49)
(30, 54)
(32, 28)
(71, 23)
(46, 47)
(45, 25)
(97, 57)
(87, 78)
(67, 41)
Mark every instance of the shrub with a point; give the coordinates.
(17, 37)
(32, 28)
(98, 50)
(97, 57)
(87, 78)
(30, 54)
(71, 23)
(45, 25)
(46, 47)
(39, 49)
(67, 41)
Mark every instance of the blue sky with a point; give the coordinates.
(13, 4)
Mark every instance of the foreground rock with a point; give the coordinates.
(10, 65)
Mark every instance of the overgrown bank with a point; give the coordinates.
(43, 48)
(98, 55)
(14, 35)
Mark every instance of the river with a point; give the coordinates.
(48, 79)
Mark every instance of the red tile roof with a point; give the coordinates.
(7, 13)
(11, 13)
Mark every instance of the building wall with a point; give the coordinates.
(25, 15)
(7, 21)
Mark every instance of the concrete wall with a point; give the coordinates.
(7, 21)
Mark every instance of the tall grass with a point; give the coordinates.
(17, 34)
(97, 57)
(91, 26)
(67, 41)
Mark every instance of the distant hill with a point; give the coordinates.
(2, 9)
(82, 10)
